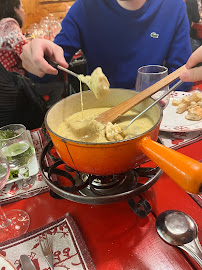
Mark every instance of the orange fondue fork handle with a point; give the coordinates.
(185, 171)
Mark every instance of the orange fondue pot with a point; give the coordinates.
(111, 158)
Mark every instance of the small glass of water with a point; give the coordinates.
(149, 75)
(19, 151)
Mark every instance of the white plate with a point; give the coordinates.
(33, 166)
(5, 264)
(175, 122)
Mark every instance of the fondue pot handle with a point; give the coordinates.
(185, 171)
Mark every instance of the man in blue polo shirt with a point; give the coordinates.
(119, 36)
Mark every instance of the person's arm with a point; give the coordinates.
(33, 57)
(15, 37)
(65, 45)
(180, 49)
(193, 74)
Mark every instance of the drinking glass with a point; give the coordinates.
(19, 151)
(147, 76)
(14, 222)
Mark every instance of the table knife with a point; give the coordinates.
(26, 263)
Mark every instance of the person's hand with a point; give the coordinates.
(193, 74)
(33, 57)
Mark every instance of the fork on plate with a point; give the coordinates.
(46, 249)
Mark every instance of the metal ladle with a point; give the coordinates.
(179, 229)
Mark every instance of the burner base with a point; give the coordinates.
(90, 189)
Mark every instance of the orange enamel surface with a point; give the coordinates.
(101, 159)
(185, 171)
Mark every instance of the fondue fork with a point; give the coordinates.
(56, 65)
(46, 249)
(150, 106)
(114, 113)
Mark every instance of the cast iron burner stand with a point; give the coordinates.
(92, 189)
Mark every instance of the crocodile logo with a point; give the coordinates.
(154, 35)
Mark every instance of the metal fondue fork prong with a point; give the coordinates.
(56, 65)
(46, 249)
(150, 106)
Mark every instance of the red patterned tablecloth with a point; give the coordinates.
(117, 238)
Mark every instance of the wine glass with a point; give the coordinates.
(14, 222)
(147, 76)
(19, 151)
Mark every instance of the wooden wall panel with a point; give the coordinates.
(36, 9)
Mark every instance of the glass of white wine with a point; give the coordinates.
(14, 222)
(19, 151)
(149, 75)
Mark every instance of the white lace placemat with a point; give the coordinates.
(68, 246)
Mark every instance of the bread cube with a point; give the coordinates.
(182, 107)
(194, 114)
(199, 103)
(176, 102)
(185, 100)
(196, 96)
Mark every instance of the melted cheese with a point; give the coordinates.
(97, 82)
(87, 129)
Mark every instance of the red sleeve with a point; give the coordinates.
(18, 47)
(15, 38)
